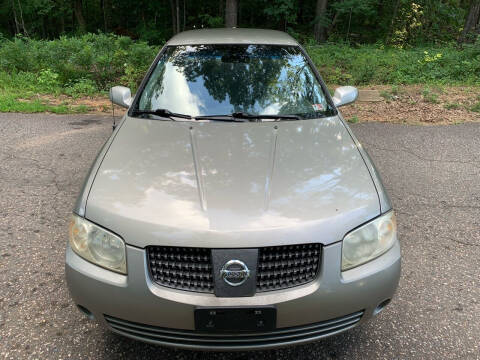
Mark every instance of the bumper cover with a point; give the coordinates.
(134, 306)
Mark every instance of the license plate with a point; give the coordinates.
(235, 319)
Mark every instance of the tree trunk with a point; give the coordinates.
(21, 18)
(174, 18)
(78, 9)
(472, 21)
(17, 27)
(319, 30)
(107, 15)
(231, 13)
(221, 8)
(178, 15)
(62, 23)
(392, 23)
(44, 31)
(61, 19)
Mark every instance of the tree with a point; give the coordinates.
(231, 13)
(18, 21)
(17, 25)
(107, 14)
(174, 17)
(177, 22)
(175, 8)
(284, 11)
(319, 30)
(397, 22)
(472, 21)
(394, 16)
(78, 8)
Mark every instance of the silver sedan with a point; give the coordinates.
(232, 207)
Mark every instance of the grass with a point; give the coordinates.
(476, 107)
(452, 106)
(10, 102)
(19, 92)
(353, 120)
(387, 95)
(391, 94)
(430, 96)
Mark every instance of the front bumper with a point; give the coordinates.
(134, 306)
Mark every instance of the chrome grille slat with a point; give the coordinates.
(239, 339)
(355, 316)
(181, 267)
(279, 267)
(219, 340)
(282, 267)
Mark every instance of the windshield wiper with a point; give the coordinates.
(219, 118)
(242, 116)
(161, 112)
(234, 117)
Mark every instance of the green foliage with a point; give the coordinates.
(81, 87)
(88, 65)
(358, 20)
(9, 102)
(392, 94)
(395, 90)
(353, 120)
(452, 106)
(407, 23)
(476, 107)
(74, 66)
(397, 22)
(430, 96)
(282, 11)
(48, 80)
(79, 65)
(387, 95)
(211, 21)
(378, 64)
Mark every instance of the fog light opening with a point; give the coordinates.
(84, 310)
(381, 306)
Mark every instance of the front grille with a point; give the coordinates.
(279, 267)
(229, 341)
(181, 267)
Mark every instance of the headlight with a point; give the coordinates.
(369, 241)
(97, 245)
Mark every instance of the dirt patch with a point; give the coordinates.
(417, 105)
(97, 104)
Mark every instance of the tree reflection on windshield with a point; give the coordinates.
(222, 79)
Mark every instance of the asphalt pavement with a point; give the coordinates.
(431, 172)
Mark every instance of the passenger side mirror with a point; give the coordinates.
(121, 95)
(345, 95)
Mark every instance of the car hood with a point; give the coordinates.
(224, 184)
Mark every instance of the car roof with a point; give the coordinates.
(232, 36)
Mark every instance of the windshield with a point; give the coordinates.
(225, 79)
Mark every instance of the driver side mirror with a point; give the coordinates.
(345, 95)
(121, 95)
